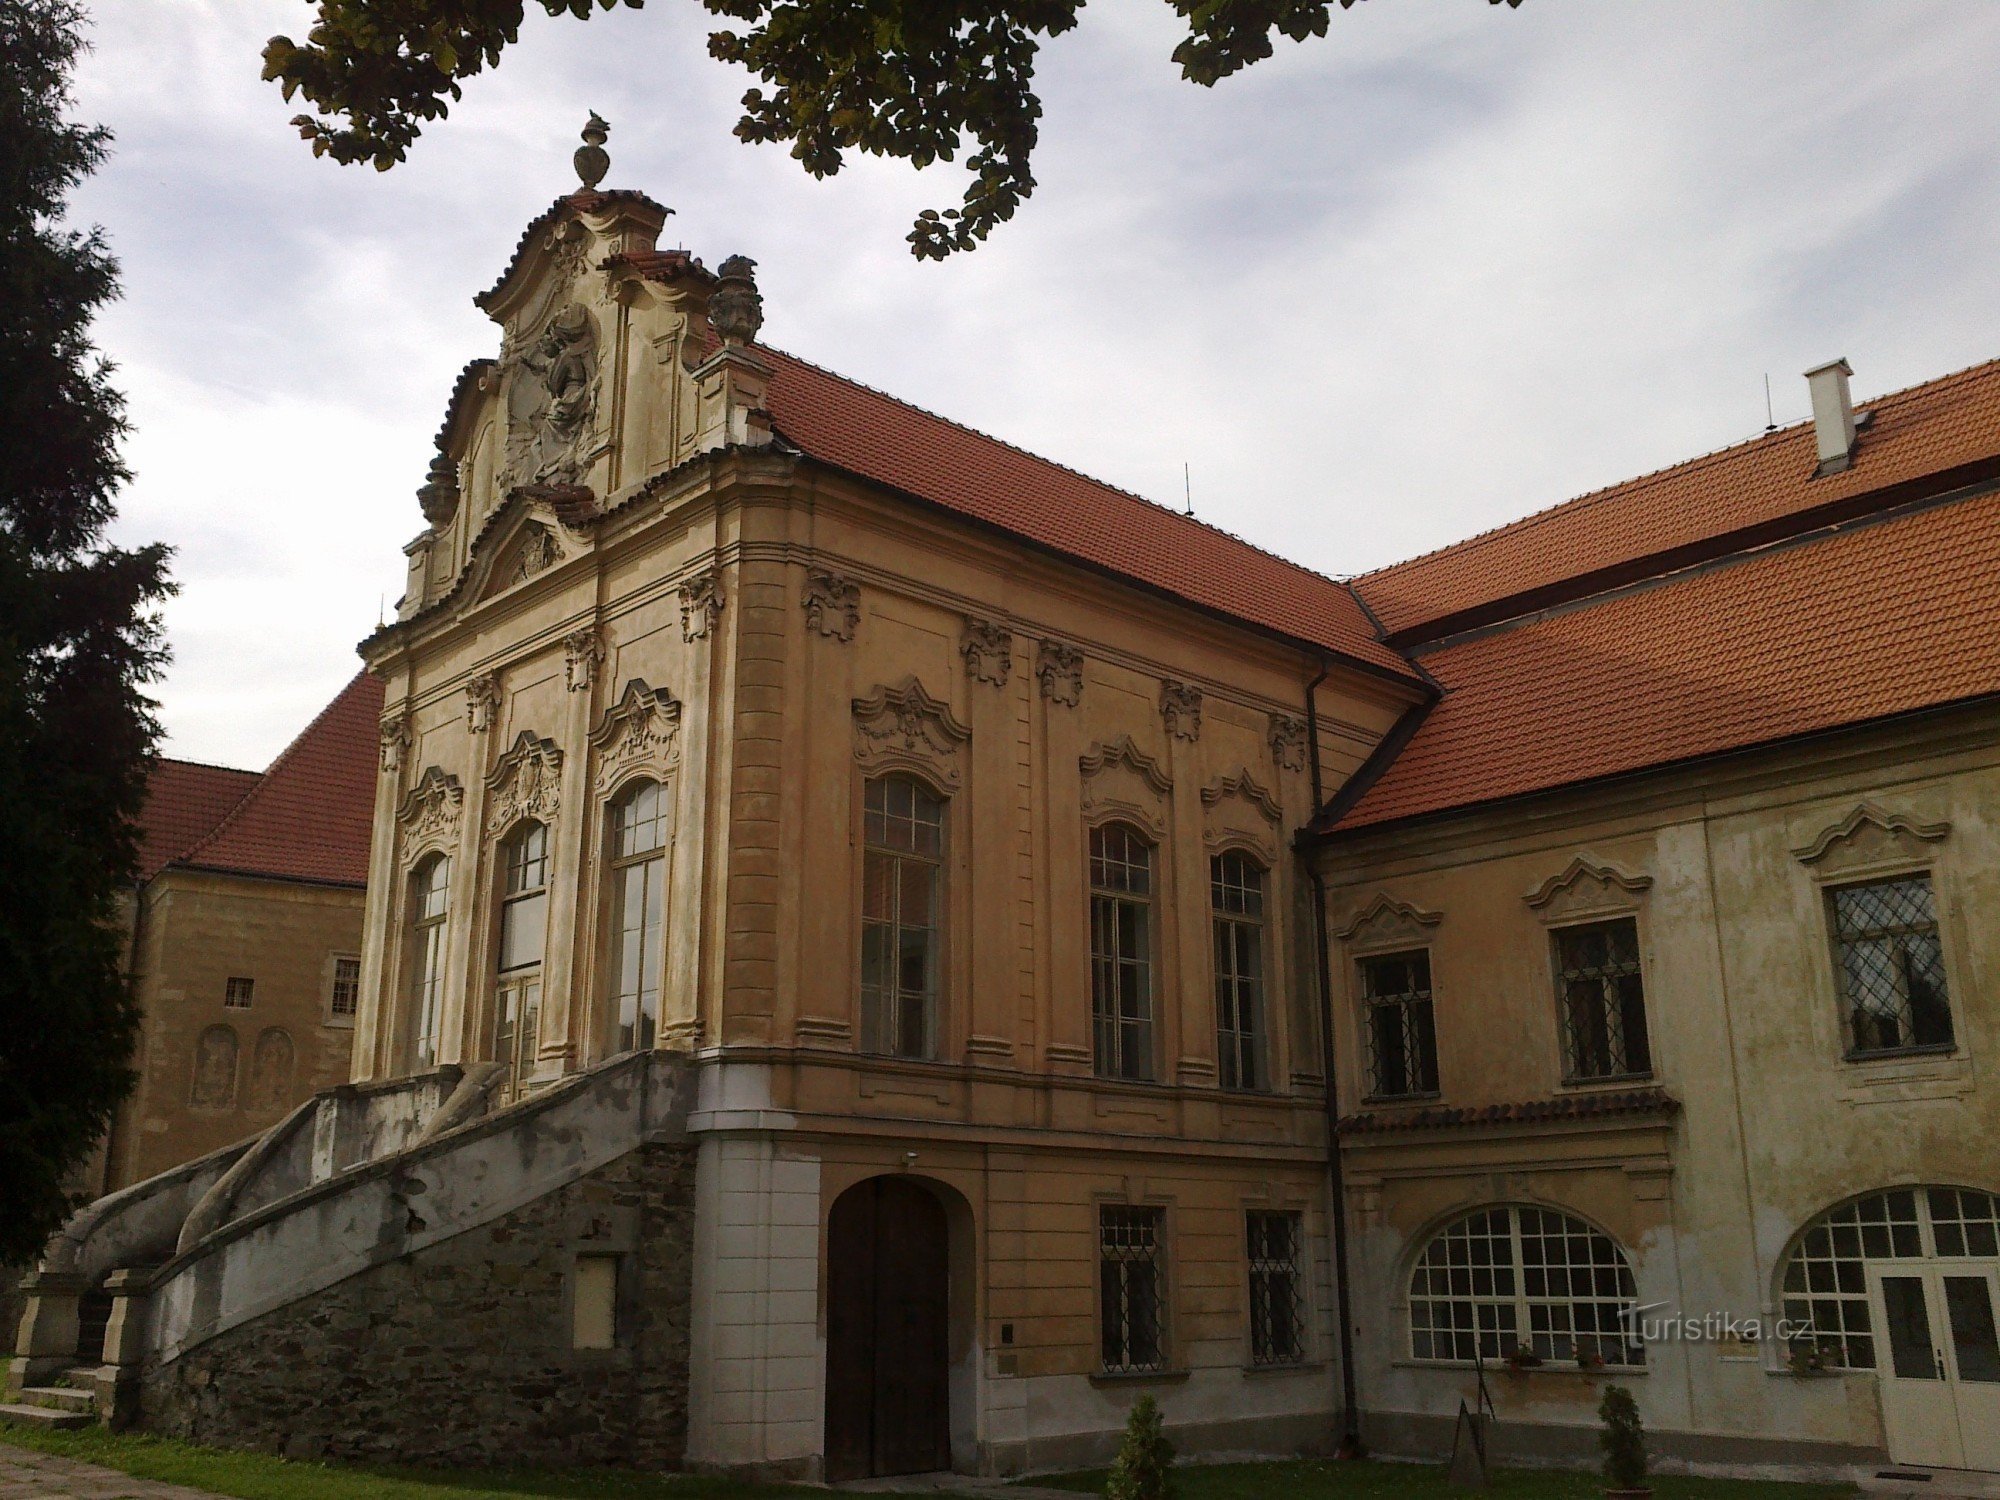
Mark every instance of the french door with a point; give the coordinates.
(1941, 1375)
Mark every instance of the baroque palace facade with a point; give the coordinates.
(880, 949)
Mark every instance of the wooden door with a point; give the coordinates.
(887, 1324)
(1917, 1405)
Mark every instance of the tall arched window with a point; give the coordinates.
(638, 842)
(524, 924)
(902, 882)
(1531, 1279)
(426, 957)
(1121, 951)
(1236, 897)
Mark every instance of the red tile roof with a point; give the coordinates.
(184, 801)
(865, 432)
(309, 816)
(1942, 433)
(1877, 618)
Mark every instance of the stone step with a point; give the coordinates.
(44, 1416)
(59, 1397)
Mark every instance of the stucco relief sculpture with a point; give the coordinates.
(430, 813)
(641, 731)
(1586, 886)
(214, 1085)
(832, 603)
(736, 307)
(398, 734)
(539, 552)
(1387, 921)
(1871, 833)
(701, 605)
(988, 649)
(271, 1069)
(1288, 742)
(1059, 669)
(551, 399)
(482, 700)
(583, 654)
(906, 723)
(527, 783)
(1180, 706)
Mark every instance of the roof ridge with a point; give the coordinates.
(1336, 579)
(228, 821)
(205, 765)
(1637, 482)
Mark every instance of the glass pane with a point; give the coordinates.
(1969, 1304)
(523, 930)
(1910, 1348)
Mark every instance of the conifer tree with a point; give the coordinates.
(1143, 1469)
(79, 639)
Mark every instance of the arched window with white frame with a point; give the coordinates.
(636, 837)
(424, 965)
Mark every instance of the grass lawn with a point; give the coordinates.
(1314, 1480)
(260, 1476)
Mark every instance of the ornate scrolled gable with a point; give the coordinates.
(429, 814)
(1586, 886)
(639, 733)
(1387, 922)
(1120, 779)
(526, 782)
(1871, 835)
(906, 726)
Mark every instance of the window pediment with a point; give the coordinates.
(526, 783)
(905, 726)
(1386, 921)
(639, 733)
(430, 813)
(1121, 780)
(1586, 886)
(1871, 835)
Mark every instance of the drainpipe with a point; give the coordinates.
(1350, 1445)
(111, 1139)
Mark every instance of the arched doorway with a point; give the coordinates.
(888, 1408)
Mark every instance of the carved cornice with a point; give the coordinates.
(583, 654)
(525, 783)
(1242, 784)
(905, 723)
(1584, 881)
(1059, 667)
(1870, 823)
(1288, 742)
(430, 814)
(701, 605)
(832, 602)
(641, 732)
(1180, 706)
(988, 649)
(399, 732)
(1121, 751)
(1386, 919)
(482, 698)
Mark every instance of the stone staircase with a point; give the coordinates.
(55, 1406)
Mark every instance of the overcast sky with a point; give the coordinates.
(1449, 265)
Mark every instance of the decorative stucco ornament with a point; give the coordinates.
(591, 159)
(736, 307)
(553, 397)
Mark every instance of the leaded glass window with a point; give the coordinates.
(1402, 1036)
(1603, 1000)
(1891, 965)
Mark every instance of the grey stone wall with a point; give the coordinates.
(461, 1353)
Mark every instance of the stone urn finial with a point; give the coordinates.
(438, 495)
(592, 160)
(736, 307)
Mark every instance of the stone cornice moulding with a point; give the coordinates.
(1853, 830)
(640, 732)
(905, 726)
(1386, 919)
(526, 782)
(429, 814)
(1121, 751)
(1242, 784)
(1579, 875)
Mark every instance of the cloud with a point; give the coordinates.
(1448, 265)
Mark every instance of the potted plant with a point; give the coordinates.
(1624, 1444)
(1521, 1357)
(1807, 1358)
(1143, 1469)
(1586, 1359)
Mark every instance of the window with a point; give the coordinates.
(1603, 1000)
(345, 997)
(1530, 1279)
(1402, 1039)
(1891, 967)
(1121, 962)
(593, 1303)
(1826, 1279)
(1277, 1298)
(638, 837)
(427, 916)
(1132, 1270)
(236, 993)
(1236, 896)
(524, 918)
(902, 880)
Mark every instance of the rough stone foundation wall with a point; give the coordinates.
(461, 1353)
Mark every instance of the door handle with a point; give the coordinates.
(1938, 1355)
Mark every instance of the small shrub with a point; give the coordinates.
(1144, 1467)
(1623, 1439)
